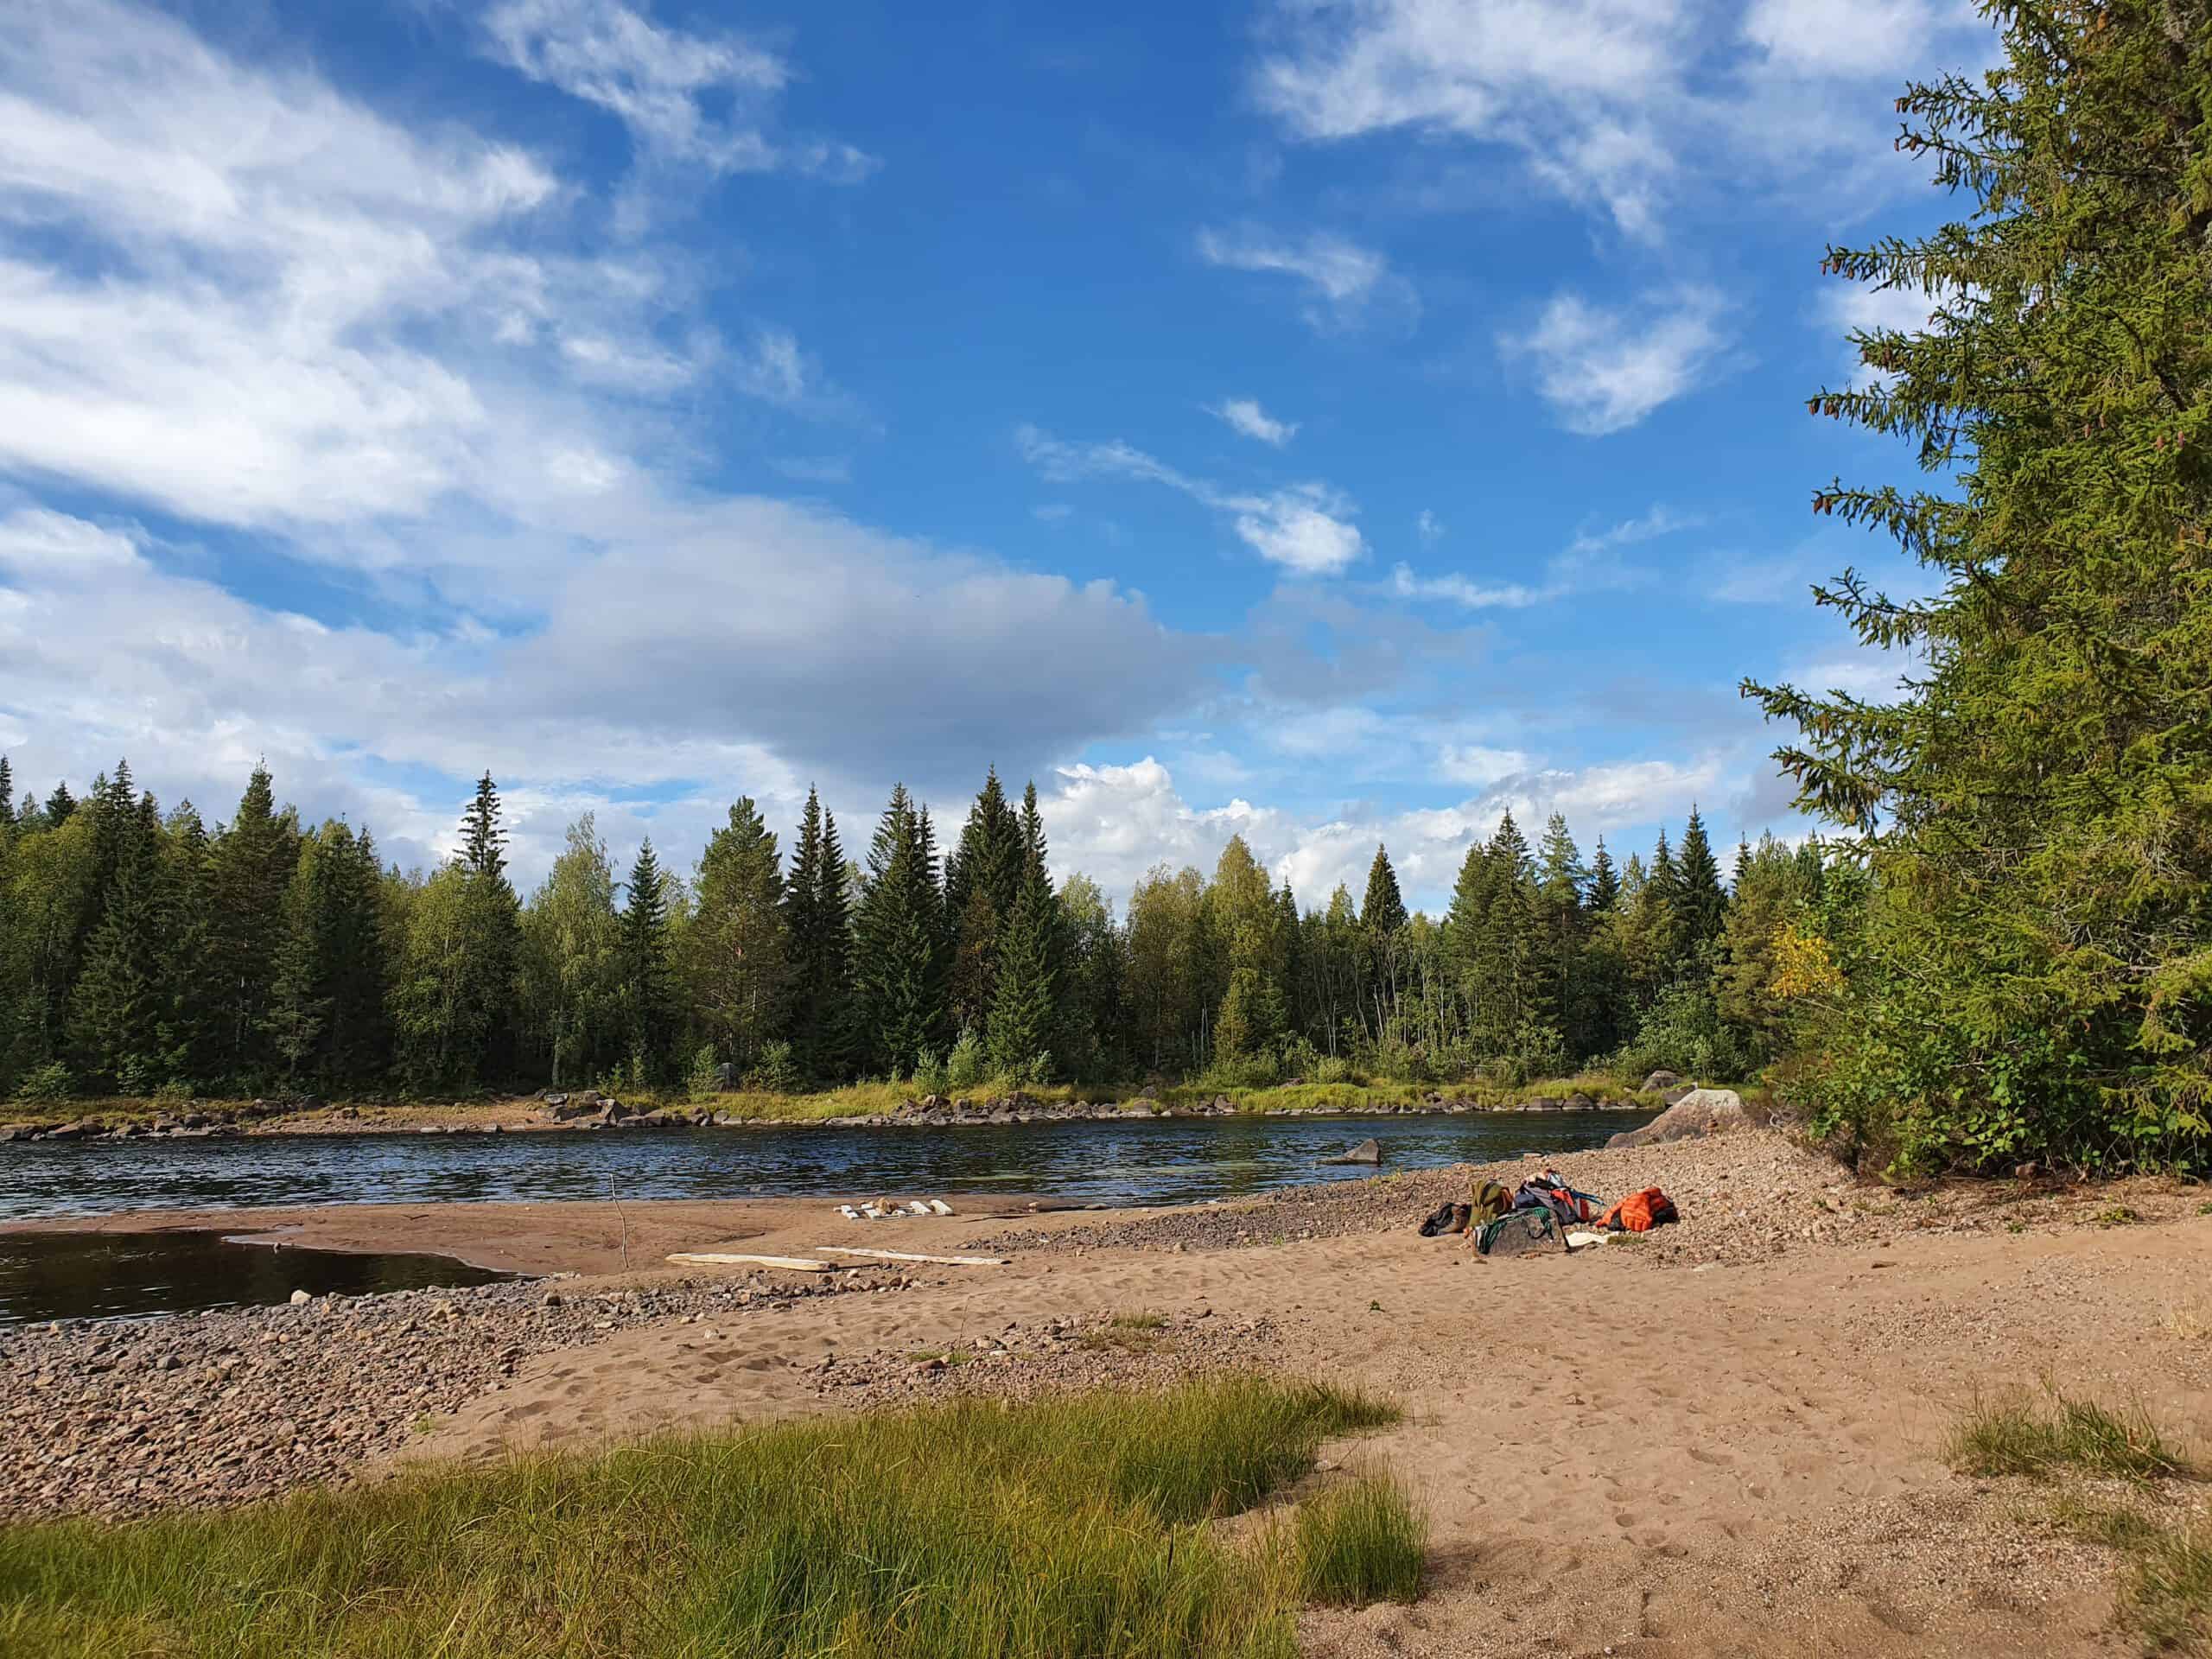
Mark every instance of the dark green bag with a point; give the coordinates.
(1516, 1233)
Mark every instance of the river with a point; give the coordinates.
(1120, 1161)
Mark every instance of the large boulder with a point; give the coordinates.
(1367, 1152)
(1659, 1082)
(1701, 1111)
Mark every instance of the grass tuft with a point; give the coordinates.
(1048, 1530)
(1355, 1543)
(2021, 1437)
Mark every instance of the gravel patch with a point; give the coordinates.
(197, 1411)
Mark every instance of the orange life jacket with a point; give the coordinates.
(1640, 1213)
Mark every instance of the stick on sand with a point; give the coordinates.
(722, 1259)
(910, 1255)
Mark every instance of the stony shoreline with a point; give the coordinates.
(196, 1411)
(587, 1112)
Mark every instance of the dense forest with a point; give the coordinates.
(146, 951)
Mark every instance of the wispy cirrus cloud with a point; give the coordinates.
(1588, 563)
(708, 100)
(1305, 528)
(1346, 284)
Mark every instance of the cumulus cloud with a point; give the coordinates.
(1346, 283)
(1244, 415)
(703, 100)
(1305, 528)
(1114, 822)
(1603, 370)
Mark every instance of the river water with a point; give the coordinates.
(1123, 1161)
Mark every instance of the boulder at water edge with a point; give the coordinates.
(1701, 1111)
(1367, 1152)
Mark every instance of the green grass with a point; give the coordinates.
(1141, 1321)
(1356, 1543)
(1067, 1528)
(2061, 1435)
(2165, 1593)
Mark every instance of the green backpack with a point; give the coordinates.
(1521, 1231)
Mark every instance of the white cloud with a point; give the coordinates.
(665, 85)
(1305, 528)
(1244, 415)
(1603, 371)
(1115, 823)
(1587, 564)
(1429, 527)
(1617, 105)
(1346, 283)
(1844, 37)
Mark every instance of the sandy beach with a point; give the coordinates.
(1726, 1438)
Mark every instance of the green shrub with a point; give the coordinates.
(969, 1062)
(48, 1082)
(930, 1072)
(705, 1080)
(777, 1071)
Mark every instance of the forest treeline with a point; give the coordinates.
(146, 951)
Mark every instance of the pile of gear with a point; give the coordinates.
(1545, 1211)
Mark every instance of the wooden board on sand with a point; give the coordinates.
(910, 1255)
(724, 1259)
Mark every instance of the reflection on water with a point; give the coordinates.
(1122, 1161)
(126, 1275)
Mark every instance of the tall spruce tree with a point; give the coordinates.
(59, 806)
(737, 959)
(249, 873)
(982, 880)
(899, 976)
(648, 972)
(7, 797)
(2032, 800)
(818, 925)
(1384, 910)
(120, 997)
(1025, 1005)
(1605, 880)
(1701, 902)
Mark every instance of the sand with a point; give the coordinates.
(1724, 1440)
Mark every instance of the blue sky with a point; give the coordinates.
(1335, 421)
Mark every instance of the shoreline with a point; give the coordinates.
(587, 1110)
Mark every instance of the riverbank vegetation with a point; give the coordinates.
(151, 957)
(1064, 1528)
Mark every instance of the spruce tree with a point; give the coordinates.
(59, 806)
(1702, 901)
(1384, 912)
(250, 873)
(899, 975)
(2031, 800)
(121, 995)
(737, 958)
(983, 879)
(191, 1022)
(1024, 1012)
(483, 838)
(818, 922)
(7, 797)
(1604, 882)
(648, 976)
